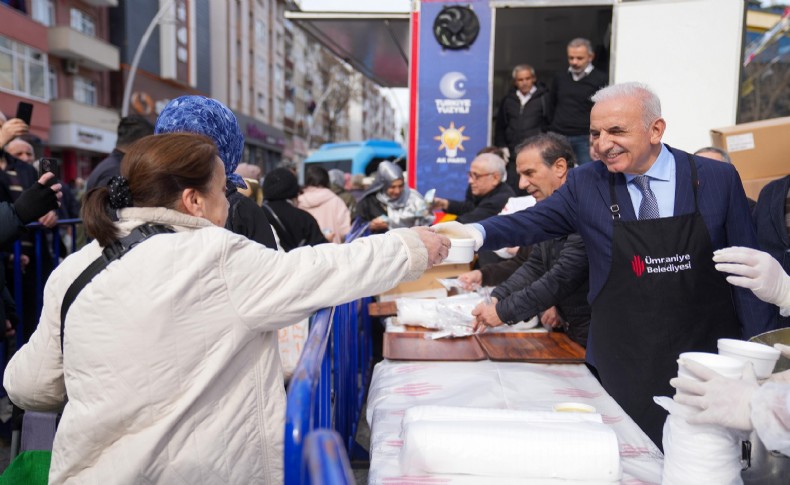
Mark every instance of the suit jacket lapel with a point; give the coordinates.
(684, 194)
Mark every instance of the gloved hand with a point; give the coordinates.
(782, 377)
(456, 230)
(757, 271)
(721, 401)
(36, 201)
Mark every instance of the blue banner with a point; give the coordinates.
(453, 101)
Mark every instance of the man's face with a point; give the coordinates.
(21, 150)
(537, 178)
(619, 136)
(395, 189)
(579, 58)
(524, 81)
(482, 180)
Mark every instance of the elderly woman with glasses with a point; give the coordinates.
(390, 204)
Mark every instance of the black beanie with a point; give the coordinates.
(280, 184)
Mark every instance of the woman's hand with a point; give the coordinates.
(437, 245)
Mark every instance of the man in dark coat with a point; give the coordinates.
(523, 112)
(486, 195)
(772, 218)
(130, 129)
(554, 280)
(570, 97)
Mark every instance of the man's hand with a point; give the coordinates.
(49, 220)
(757, 271)
(720, 400)
(486, 316)
(456, 230)
(440, 204)
(38, 200)
(12, 129)
(471, 280)
(550, 318)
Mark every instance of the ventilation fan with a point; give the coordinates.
(456, 27)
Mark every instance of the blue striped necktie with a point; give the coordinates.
(648, 209)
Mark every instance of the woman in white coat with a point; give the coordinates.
(168, 369)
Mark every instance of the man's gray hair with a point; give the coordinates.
(582, 42)
(725, 157)
(495, 164)
(651, 105)
(523, 67)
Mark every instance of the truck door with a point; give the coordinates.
(689, 52)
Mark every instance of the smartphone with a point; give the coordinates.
(24, 111)
(48, 165)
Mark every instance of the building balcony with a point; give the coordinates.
(102, 3)
(89, 52)
(66, 110)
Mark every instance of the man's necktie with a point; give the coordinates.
(648, 209)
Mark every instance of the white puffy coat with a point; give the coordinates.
(171, 364)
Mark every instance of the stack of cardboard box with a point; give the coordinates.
(759, 150)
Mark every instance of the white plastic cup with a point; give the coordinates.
(762, 356)
(461, 251)
(573, 407)
(724, 365)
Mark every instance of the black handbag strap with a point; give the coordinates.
(112, 252)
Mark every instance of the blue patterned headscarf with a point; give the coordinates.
(206, 116)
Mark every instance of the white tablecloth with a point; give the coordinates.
(397, 386)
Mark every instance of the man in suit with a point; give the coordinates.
(772, 218)
(651, 217)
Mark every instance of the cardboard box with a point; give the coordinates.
(426, 285)
(758, 150)
(753, 187)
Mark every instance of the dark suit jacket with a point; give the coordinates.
(473, 208)
(582, 205)
(769, 216)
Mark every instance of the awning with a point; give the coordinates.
(375, 44)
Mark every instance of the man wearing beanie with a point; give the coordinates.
(295, 227)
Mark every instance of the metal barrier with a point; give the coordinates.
(309, 396)
(46, 253)
(325, 460)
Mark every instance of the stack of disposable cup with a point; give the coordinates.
(700, 453)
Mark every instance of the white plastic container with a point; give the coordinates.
(762, 356)
(461, 251)
(724, 365)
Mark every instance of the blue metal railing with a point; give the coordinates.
(325, 460)
(305, 404)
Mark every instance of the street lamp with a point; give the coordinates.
(127, 90)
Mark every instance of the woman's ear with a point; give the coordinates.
(192, 202)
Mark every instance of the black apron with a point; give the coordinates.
(663, 296)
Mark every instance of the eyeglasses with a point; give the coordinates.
(477, 176)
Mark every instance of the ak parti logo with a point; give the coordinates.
(638, 265)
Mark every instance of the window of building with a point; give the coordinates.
(22, 69)
(261, 104)
(82, 22)
(43, 12)
(84, 90)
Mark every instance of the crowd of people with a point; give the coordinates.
(639, 256)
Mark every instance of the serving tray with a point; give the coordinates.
(414, 346)
(546, 348)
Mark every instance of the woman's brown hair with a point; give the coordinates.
(158, 168)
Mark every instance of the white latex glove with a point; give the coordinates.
(782, 377)
(757, 271)
(506, 154)
(721, 401)
(456, 230)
